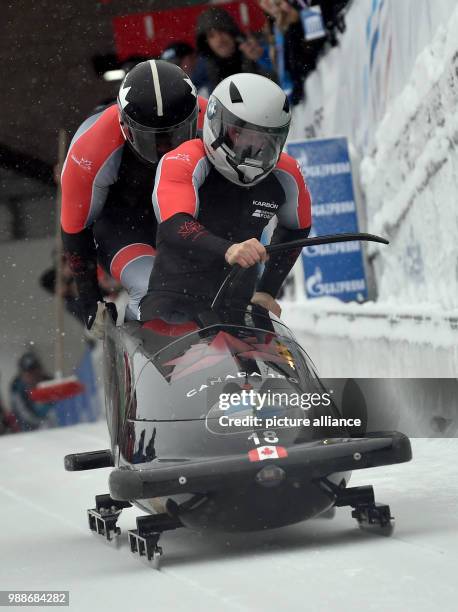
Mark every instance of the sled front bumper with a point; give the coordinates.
(311, 460)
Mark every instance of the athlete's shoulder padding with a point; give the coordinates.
(179, 176)
(91, 166)
(297, 211)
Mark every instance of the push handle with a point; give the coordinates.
(237, 271)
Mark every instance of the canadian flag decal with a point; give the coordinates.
(267, 452)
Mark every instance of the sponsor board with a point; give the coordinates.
(335, 270)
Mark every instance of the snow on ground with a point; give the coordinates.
(318, 565)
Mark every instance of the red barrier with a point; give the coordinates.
(147, 34)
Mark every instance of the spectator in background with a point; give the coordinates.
(224, 50)
(29, 414)
(181, 54)
(298, 57)
(333, 18)
(303, 35)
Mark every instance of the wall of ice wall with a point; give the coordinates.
(410, 181)
(391, 87)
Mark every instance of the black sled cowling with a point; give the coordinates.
(183, 449)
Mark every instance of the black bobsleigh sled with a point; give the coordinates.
(223, 424)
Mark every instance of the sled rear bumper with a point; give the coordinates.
(312, 460)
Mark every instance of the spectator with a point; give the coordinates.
(298, 58)
(181, 54)
(301, 49)
(224, 50)
(29, 414)
(265, 41)
(333, 18)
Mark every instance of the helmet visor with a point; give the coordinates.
(246, 144)
(252, 147)
(152, 143)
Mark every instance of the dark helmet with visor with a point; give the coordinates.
(158, 108)
(245, 128)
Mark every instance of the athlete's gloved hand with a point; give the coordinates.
(246, 254)
(266, 301)
(94, 314)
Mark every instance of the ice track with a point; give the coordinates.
(319, 565)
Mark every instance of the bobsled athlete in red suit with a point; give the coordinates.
(213, 199)
(108, 179)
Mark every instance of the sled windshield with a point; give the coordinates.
(222, 369)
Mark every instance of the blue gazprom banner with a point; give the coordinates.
(337, 269)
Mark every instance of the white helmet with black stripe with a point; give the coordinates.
(158, 108)
(245, 127)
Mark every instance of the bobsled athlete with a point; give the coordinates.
(108, 178)
(213, 198)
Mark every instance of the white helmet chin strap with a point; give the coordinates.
(247, 172)
(250, 172)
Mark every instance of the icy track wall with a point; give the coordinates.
(411, 182)
(392, 88)
(355, 83)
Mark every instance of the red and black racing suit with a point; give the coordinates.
(201, 214)
(106, 209)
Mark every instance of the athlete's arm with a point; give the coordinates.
(89, 169)
(294, 222)
(280, 264)
(77, 238)
(184, 233)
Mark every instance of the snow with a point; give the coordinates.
(354, 83)
(320, 564)
(411, 180)
(379, 340)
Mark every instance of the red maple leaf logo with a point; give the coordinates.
(267, 451)
(201, 356)
(190, 229)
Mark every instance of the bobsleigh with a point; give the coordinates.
(222, 424)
